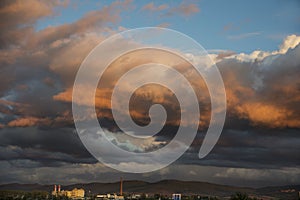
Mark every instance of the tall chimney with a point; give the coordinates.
(54, 188)
(121, 186)
(58, 188)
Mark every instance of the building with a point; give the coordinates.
(56, 190)
(109, 197)
(135, 196)
(176, 196)
(74, 194)
(112, 196)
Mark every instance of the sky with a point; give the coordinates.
(255, 45)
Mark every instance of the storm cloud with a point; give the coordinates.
(260, 140)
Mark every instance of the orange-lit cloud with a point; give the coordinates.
(242, 80)
(29, 121)
(152, 7)
(185, 9)
(22, 15)
(261, 87)
(266, 114)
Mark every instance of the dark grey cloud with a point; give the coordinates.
(252, 148)
(46, 146)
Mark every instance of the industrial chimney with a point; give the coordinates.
(58, 188)
(55, 189)
(121, 186)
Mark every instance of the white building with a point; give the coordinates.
(109, 197)
(176, 196)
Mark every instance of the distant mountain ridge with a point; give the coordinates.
(163, 187)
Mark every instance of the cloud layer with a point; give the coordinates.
(38, 67)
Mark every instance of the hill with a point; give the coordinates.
(166, 187)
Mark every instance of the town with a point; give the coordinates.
(59, 192)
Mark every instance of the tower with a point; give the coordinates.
(121, 186)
